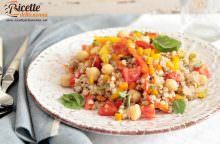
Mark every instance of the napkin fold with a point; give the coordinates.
(32, 124)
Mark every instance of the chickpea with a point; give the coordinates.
(135, 95)
(65, 80)
(134, 112)
(202, 79)
(82, 55)
(107, 69)
(171, 84)
(93, 72)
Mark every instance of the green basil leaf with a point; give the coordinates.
(72, 101)
(122, 94)
(179, 106)
(166, 44)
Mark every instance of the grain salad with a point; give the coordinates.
(133, 75)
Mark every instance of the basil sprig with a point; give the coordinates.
(164, 43)
(179, 106)
(72, 101)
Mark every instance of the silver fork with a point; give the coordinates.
(6, 101)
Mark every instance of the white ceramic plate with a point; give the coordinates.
(43, 83)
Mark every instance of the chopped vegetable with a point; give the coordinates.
(89, 102)
(112, 39)
(123, 86)
(162, 107)
(203, 70)
(148, 111)
(143, 44)
(118, 116)
(121, 48)
(95, 61)
(108, 109)
(173, 75)
(104, 54)
(131, 74)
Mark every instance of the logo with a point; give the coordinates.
(15, 9)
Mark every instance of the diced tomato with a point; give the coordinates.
(143, 44)
(107, 109)
(121, 47)
(152, 35)
(148, 111)
(203, 70)
(173, 75)
(131, 75)
(89, 102)
(118, 103)
(72, 81)
(77, 74)
(94, 60)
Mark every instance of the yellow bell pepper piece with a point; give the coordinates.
(118, 116)
(149, 60)
(154, 92)
(175, 58)
(151, 70)
(175, 66)
(158, 67)
(112, 39)
(123, 86)
(140, 51)
(152, 52)
(147, 52)
(156, 56)
(104, 54)
(170, 65)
